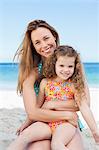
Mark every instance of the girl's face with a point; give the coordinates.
(43, 41)
(64, 67)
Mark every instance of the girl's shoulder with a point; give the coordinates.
(44, 82)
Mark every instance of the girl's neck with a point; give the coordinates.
(57, 79)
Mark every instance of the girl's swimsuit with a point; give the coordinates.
(58, 91)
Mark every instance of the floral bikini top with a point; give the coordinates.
(58, 90)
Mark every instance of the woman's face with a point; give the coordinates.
(43, 41)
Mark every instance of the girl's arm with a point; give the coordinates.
(87, 115)
(38, 114)
(89, 118)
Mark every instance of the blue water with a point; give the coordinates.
(9, 75)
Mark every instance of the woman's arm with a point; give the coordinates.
(38, 114)
(40, 98)
(40, 101)
(61, 105)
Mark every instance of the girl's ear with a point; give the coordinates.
(55, 39)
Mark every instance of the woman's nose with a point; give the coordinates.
(43, 44)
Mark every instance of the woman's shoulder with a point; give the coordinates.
(32, 77)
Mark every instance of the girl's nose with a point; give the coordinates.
(66, 70)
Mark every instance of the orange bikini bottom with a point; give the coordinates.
(54, 124)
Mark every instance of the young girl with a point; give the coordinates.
(64, 81)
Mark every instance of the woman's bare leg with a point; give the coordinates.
(35, 132)
(62, 136)
(40, 145)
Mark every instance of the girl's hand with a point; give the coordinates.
(96, 136)
(23, 126)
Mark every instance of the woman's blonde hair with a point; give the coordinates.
(29, 58)
(77, 78)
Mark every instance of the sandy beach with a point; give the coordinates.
(12, 114)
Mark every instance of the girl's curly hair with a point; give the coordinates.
(77, 78)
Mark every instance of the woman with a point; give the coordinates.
(39, 43)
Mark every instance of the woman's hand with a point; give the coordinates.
(72, 118)
(24, 126)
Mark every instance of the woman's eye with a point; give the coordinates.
(46, 38)
(37, 42)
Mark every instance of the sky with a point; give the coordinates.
(77, 22)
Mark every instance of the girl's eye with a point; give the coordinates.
(71, 66)
(61, 65)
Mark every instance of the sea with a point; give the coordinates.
(9, 75)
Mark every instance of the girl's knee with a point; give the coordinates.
(55, 145)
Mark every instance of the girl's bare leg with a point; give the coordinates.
(35, 132)
(76, 142)
(40, 145)
(62, 136)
